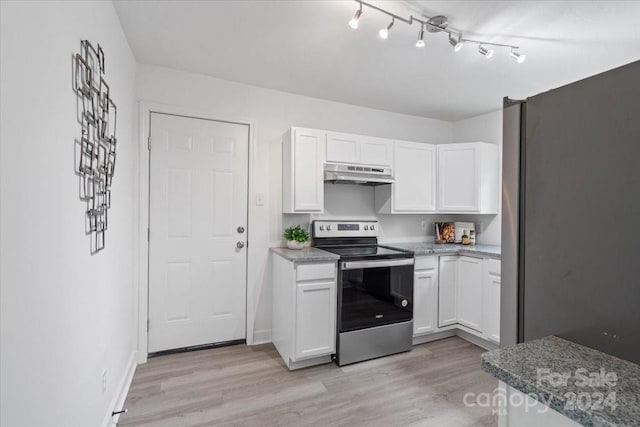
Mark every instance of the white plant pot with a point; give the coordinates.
(294, 244)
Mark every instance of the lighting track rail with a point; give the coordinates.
(435, 24)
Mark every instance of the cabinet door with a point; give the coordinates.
(308, 179)
(414, 169)
(343, 148)
(425, 302)
(315, 328)
(470, 292)
(447, 290)
(492, 307)
(458, 186)
(376, 152)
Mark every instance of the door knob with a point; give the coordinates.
(240, 229)
(240, 245)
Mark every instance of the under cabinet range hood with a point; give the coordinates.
(362, 175)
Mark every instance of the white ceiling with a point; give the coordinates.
(306, 47)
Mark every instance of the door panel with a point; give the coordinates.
(315, 319)
(470, 292)
(447, 290)
(457, 178)
(197, 199)
(414, 189)
(425, 302)
(307, 182)
(375, 152)
(343, 148)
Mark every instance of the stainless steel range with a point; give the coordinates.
(375, 291)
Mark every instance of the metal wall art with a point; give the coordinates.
(96, 150)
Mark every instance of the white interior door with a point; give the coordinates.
(197, 219)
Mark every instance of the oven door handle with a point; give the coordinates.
(354, 265)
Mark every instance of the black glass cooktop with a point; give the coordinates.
(366, 252)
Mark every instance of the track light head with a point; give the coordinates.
(517, 56)
(420, 42)
(384, 33)
(488, 53)
(353, 23)
(457, 44)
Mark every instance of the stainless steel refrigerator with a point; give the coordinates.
(571, 214)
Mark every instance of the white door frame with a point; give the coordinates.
(145, 109)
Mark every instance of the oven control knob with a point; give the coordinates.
(322, 228)
(404, 303)
(366, 227)
(328, 228)
(373, 227)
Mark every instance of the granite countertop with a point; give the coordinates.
(447, 248)
(605, 393)
(308, 254)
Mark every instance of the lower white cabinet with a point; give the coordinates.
(304, 311)
(470, 279)
(315, 319)
(491, 299)
(425, 295)
(447, 290)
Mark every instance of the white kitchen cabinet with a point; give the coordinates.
(425, 295)
(315, 319)
(304, 311)
(343, 148)
(414, 189)
(358, 149)
(470, 302)
(468, 178)
(376, 152)
(447, 290)
(491, 297)
(302, 171)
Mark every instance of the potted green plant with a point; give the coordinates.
(296, 237)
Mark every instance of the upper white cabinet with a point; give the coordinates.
(425, 295)
(468, 178)
(491, 298)
(414, 190)
(358, 149)
(470, 305)
(302, 171)
(447, 290)
(376, 152)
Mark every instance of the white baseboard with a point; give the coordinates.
(421, 339)
(480, 342)
(262, 336)
(120, 395)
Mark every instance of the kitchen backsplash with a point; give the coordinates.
(347, 201)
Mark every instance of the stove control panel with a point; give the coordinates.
(345, 228)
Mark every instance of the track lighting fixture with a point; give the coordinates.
(434, 25)
(420, 42)
(488, 53)
(457, 44)
(354, 21)
(384, 33)
(517, 56)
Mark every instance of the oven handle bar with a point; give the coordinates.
(354, 265)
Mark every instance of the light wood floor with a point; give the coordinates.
(250, 386)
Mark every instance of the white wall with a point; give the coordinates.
(65, 315)
(484, 128)
(272, 113)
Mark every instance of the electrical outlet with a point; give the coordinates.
(104, 380)
(423, 225)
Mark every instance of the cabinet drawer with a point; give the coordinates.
(493, 266)
(425, 263)
(316, 271)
